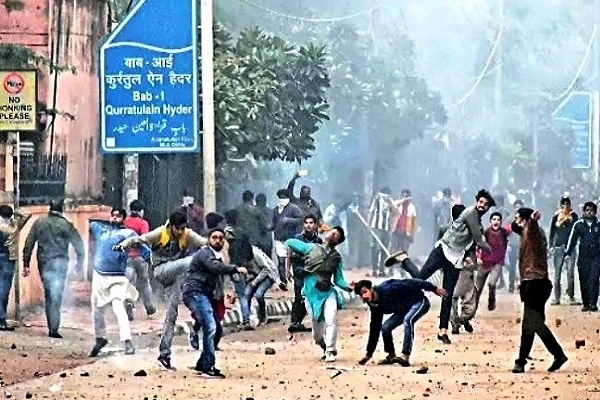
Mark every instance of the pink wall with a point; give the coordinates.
(82, 26)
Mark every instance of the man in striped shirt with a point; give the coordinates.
(379, 221)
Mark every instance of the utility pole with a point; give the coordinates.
(208, 106)
(596, 99)
(498, 81)
(16, 158)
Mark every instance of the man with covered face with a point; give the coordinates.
(535, 289)
(307, 204)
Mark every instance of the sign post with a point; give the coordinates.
(577, 111)
(149, 81)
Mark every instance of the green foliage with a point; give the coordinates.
(14, 56)
(270, 96)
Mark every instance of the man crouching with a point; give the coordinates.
(406, 301)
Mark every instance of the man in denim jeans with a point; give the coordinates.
(198, 296)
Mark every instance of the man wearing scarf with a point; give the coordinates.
(560, 229)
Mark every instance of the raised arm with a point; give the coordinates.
(21, 218)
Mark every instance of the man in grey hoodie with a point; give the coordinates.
(448, 254)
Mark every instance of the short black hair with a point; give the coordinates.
(231, 216)
(447, 191)
(487, 195)
(310, 216)
(406, 192)
(57, 205)
(590, 204)
(178, 218)
(364, 283)
(137, 206)
(525, 213)
(519, 202)
(213, 220)
(261, 199)
(495, 214)
(565, 200)
(457, 209)
(341, 232)
(6, 211)
(283, 194)
(247, 196)
(121, 211)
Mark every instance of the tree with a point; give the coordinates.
(270, 96)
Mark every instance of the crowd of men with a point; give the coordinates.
(202, 260)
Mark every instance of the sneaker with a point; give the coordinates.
(555, 302)
(593, 308)
(246, 326)
(573, 302)
(585, 308)
(395, 258)
(518, 369)
(444, 338)
(298, 328)
(325, 354)
(402, 360)
(129, 349)
(55, 335)
(4, 326)
(129, 310)
(455, 330)
(558, 362)
(100, 343)
(165, 362)
(468, 327)
(212, 374)
(388, 360)
(194, 340)
(329, 356)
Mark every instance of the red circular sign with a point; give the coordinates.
(13, 83)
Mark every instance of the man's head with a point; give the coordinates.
(385, 190)
(405, 194)
(335, 236)
(364, 289)
(310, 223)
(57, 205)
(457, 209)
(177, 224)
(247, 196)
(213, 220)
(6, 211)
(216, 239)
(117, 215)
(447, 192)
(231, 217)
(589, 210)
(137, 207)
(483, 201)
(283, 194)
(565, 203)
(518, 204)
(495, 220)
(522, 217)
(305, 192)
(261, 200)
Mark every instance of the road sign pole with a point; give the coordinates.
(16, 201)
(208, 110)
(596, 136)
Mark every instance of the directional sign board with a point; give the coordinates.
(576, 112)
(149, 80)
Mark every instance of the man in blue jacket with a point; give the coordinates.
(110, 286)
(406, 301)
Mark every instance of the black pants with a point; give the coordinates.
(437, 260)
(298, 307)
(589, 281)
(534, 295)
(513, 259)
(281, 269)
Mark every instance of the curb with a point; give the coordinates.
(278, 308)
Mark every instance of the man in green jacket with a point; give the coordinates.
(53, 234)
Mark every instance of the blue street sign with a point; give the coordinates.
(149, 80)
(576, 112)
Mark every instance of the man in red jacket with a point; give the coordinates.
(137, 268)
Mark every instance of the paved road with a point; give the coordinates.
(474, 366)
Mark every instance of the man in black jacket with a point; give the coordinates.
(406, 301)
(586, 231)
(199, 296)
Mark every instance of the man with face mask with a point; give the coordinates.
(287, 220)
(535, 289)
(307, 204)
(110, 286)
(170, 244)
(586, 232)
